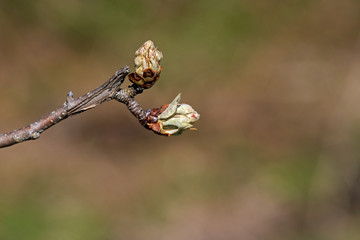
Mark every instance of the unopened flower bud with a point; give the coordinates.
(174, 118)
(147, 65)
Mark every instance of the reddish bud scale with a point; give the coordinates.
(152, 120)
(147, 80)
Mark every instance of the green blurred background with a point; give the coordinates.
(276, 154)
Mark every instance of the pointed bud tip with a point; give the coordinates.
(149, 42)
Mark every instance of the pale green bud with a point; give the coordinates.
(147, 56)
(177, 118)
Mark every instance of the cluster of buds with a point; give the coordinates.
(169, 119)
(173, 118)
(147, 65)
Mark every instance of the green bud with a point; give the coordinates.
(177, 118)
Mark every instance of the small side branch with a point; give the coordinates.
(126, 96)
(71, 106)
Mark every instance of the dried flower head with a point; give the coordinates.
(147, 65)
(173, 118)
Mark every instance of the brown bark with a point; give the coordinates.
(110, 90)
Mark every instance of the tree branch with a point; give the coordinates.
(169, 119)
(73, 106)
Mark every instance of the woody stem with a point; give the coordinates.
(110, 90)
(126, 96)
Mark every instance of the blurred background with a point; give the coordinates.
(276, 154)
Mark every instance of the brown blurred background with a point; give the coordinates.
(276, 154)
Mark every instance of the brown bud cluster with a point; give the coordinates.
(152, 119)
(147, 65)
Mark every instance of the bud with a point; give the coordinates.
(173, 119)
(147, 65)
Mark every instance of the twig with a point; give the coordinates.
(108, 91)
(147, 71)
